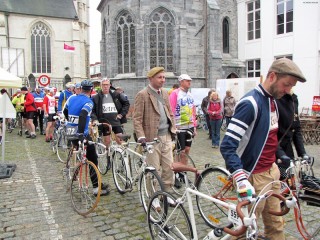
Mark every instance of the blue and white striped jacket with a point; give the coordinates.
(248, 130)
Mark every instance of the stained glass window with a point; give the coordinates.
(126, 41)
(40, 48)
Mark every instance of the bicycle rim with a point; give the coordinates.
(167, 221)
(62, 149)
(214, 182)
(82, 197)
(119, 171)
(150, 183)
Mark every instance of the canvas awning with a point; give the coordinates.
(8, 80)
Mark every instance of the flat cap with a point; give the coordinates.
(286, 66)
(154, 71)
(184, 77)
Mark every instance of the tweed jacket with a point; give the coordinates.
(146, 116)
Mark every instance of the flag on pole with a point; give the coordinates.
(68, 48)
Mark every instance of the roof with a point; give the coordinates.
(47, 8)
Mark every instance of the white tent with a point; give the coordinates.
(8, 80)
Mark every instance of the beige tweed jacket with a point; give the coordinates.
(146, 115)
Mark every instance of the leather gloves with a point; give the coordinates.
(142, 141)
(245, 190)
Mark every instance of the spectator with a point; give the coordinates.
(184, 110)
(174, 87)
(215, 115)
(229, 102)
(204, 108)
(30, 111)
(250, 144)
(153, 118)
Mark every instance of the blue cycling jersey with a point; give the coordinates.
(74, 106)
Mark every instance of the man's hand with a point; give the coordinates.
(142, 141)
(245, 190)
(306, 158)
(284, 161)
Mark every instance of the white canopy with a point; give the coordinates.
(8, 80)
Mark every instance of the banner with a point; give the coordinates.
(68, 48)
(316, 104)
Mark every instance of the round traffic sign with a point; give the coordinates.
(44, 80)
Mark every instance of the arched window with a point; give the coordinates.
(225, 35)
(40, 48)
(126, 42)
(161, 39)
(104, 30)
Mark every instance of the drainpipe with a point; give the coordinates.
(206, 44)
(7, 28)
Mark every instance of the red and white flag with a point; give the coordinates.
(68, 48)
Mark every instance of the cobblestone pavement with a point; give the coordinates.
(35, 205)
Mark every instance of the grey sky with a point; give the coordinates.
(95, 31)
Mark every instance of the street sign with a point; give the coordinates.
(44, 80)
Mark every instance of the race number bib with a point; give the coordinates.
(71, 131)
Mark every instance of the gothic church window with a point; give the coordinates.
(253, 20)
(284, 16)
(126, 41)
(225, 35)
(161, 39)
(40, 48)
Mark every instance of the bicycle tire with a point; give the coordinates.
(180, 176)
(82, 197)
(102, 158)
(119, 172)
(54, 142)
(149, 183)
(62, 149)
(171, 222)
(68, 171)
(215, 182)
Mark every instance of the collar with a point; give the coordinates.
(155, 90)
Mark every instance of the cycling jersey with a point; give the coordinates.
(38, 99)
(50, 103)
(64, 95)
(74, 107)
(18, 102)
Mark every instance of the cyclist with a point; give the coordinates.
(64, 95)
(38, 100)
(184, 110)
(30, 111)
(111, 106)
(49, 107)
(18, 103)
(250, 144)
(78, 111)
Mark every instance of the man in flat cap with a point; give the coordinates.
(153, 118)
(250, 144)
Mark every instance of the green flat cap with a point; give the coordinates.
(154, 71)
(286, 66)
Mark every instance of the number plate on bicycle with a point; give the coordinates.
(234, 218)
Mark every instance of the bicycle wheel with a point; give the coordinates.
(168, 222)
(149, 183)
(54, 142)
(63, 148)
(119, 171)
(215, 182)
(180, 185)
(83, 199)
(136, 160)
(102, 157)
(68, 170)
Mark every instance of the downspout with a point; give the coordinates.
(206, 44)
(7, 29)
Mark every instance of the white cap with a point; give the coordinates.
(184, 77)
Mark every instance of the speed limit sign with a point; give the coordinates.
(44, 80)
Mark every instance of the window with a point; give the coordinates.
(284, 56)
(225, 35)
(161, 39)
(253, 68)
(284, 16)
(40, 48)
(253, 15)
(126, 41)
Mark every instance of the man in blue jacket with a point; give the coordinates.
(250, 144)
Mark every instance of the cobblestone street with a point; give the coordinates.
(35, 205)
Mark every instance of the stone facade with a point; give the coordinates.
(197, 40)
